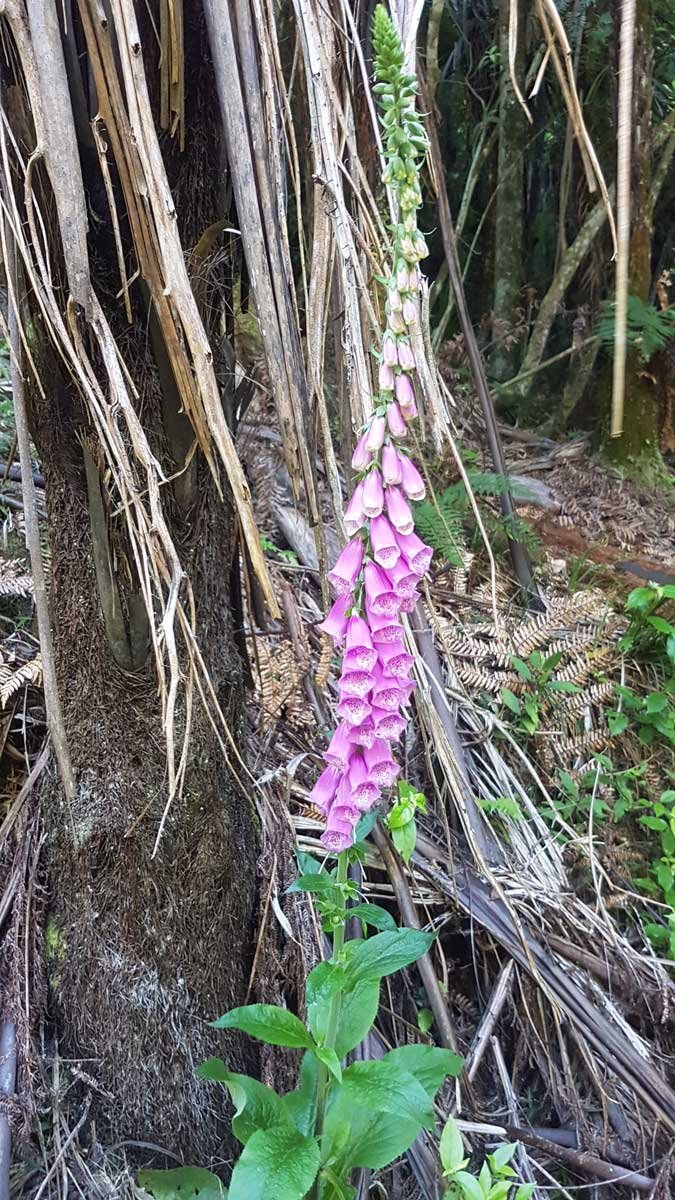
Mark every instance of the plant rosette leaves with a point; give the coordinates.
(374, 1115)
(430, 1065)
(182, 1183)
(300, 1104)
(373, 914)
(276, 1164)
(451, 1148)
(257, 1106)
(268, 1023)
(357, 1015)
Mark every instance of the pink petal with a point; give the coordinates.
(383, 542)
(335, 621)
(398, 511)
(391, 467)
(418, 554)
(373, 495)
(361, 458)
(375, 436)
(395, 422)
(413, 484)
(355, 517)
(347, 568)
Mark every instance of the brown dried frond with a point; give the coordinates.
(324, 664)
(597, 694)
(591, 742)
(278, 680)
(12, 678)
(583, 665)
(480, 679)
(14, 580)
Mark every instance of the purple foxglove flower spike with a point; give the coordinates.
(394, 300)
(391, 466)
(380, 763)
(363, 734)
(361, 458)
(414, 280)
(418, 554)
(375, 437)
(396, 323)
(406, 357)
(389, 350)
(323, 792)
(413, 484)
(409, 603)
(380, 596)
(335, 623)
(364, 791)
(402, 579)
(347, 568)
(355, 517)
(359, 652)
(373, 494)
(388, 725)
(395, 422)
(385, 378)
(402, 277)
(383, 542)
(338, 834)
(405, 393)
(388, 695)
(398, 510)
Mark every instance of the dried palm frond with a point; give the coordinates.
(12, 678)
(14, 580)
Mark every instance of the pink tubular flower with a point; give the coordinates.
(359, 652)
(380, 596)
(355, 683)
(355, 517)
(364, 791)
(413, 280)
(402, 579)
(398, 510)
(361, 458)
(409, 414)
(386, 632)
(402, 279)
(383, 542)
(373, 494)
(338, 834)
(323, 792)
(380, 763)
(388, 725)
(339, 749)
(389, 350)
(409, 312)
(406, 357)
(391, 467)
(375, 436)
(413, 484)
(395, 661)
(354, 710)
(395, 422)
(394, 299)
(409, 603)
(347, 568)
(363, 734)
(388, 695)
(405, 393)
(385, 378)
(418, 554)
(335, 623)
(396, 323)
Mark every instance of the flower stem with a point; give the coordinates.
(333, 1011)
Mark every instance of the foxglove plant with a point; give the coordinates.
(377, 575)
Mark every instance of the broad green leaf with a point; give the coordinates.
(510, 700)
(373, 914)
(485, 1178)
(307, 863)
(640, 599)
(300, 1104)
(312, 883)
(276, 1164)
(401, 814)
(430, 1065)
(329, 1058)
(524, 1191)
(563, 685)
(357, 1137)
(404, 838)
(655, 823)
(367, 822)
(451, 1148)
(182, 1183)
(500, 1190)
(522, 668)
(385, 953)
(469, 1185)
(383, 1085)
(323, 982)
(661, 625)
(656, 702)
(503, 1154)
(357, 1014)
(257, 1106)
(617, 722)
(268, 1023)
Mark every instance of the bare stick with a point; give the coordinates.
(7, 1085)
(624, 138)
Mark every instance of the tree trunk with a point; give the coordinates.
(638, 446)
(142, 951)
(509, 202)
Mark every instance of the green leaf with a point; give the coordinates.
(485, 1178)
(661, 625)
(425, 1019)
(524, 1191)
(257, 1106)
(329, 1058)
(503, 1154)
(312, 883)
(373, 914)
(512, 702)
(469, 1185)
(522, 668)
(401, 814)
(640, 599)
(656, 702)
(367, 822)
(655, 823)
(276, 1164)
(562, 685)
(617, 722)
(430, 1065)
(404, 838)
(300, 1105)
(268, 1023)
(374, 1116)
(357, 1014)
(385, 953)
(323, 982)
(451, 1148)
(307, 864)
(182, 1183)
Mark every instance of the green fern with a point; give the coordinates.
(504, 806)
(648, 329)
(443, 522)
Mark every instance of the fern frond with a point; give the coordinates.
(13, 579)
(13, 678)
